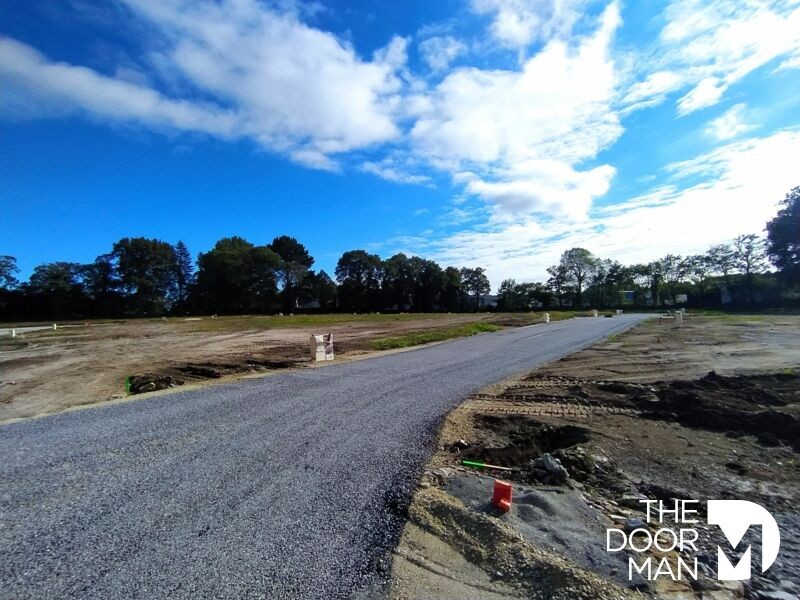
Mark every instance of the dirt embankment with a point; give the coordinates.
(708, 411)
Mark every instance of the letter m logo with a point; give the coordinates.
(734, 518)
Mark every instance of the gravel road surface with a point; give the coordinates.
(291, 486)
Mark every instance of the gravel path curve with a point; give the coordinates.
(291, 486)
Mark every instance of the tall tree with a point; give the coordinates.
(359, 275)
(146, 270)
(102, 285)
(8, 270)
(476, 283)
(399, 280)
(673, 269)
(507, 295)
(429, 282)
(721, 261)
(235, 276)
(321, 288)
(184, 273)
(698, 269)
(57, 288)
(558, 282)
(783, 237)
(749, 258)
(295, 265)
(578, 264)
(452, 292)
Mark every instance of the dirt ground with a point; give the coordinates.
(707, 411)
(78, 364)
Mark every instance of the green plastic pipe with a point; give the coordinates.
(480, 465)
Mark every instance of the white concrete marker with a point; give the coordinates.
(322, 347)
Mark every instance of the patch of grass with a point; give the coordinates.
(241, 323)
(531, 318)
(415, 338)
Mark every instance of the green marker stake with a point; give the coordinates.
(128, 385)
(480, 465)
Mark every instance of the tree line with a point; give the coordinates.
(149, 277)
(735, 274)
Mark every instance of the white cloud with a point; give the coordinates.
(543, 186)
(652, 90)
(730, 124)
(439, 52)
(716, 43)
(518, 23)
(267, 76)
(388, 169)
(704, 94)
(519, 133)
(744, 182)
(27, 72)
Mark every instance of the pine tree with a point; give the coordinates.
(184, 272)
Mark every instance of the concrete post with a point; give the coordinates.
(13, 333)
(594, 312)
(678, 319)
(321, 347)
(546, 317)
(55, 326)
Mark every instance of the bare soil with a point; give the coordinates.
(707, 411)
(86, 363)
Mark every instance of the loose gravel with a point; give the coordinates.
(291, 486)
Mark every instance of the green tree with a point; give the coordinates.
(721, 261)
(475, 283)
(429, 282)
(146, 270)
(578, 264)
(235, 277)
(58, 288)
(783, 237)
(399, 281)
(295, 265)
(557, 282)
(184, 273)
(507, 295)
(102, 285)
(452, 292)
(8, 270)
(673, 269)
(749, 258)
(319, 287)
(359, 275)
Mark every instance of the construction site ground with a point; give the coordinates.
(710, 410)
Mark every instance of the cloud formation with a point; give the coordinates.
(518, 23)
(743, 184)
(292, 88)
(522, 139)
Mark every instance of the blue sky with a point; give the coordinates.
(493, 133)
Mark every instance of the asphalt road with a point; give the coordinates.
(291, 486)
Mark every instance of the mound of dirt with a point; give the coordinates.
(139, 384)
(740, 405)
(494, 546)
(527, 439)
